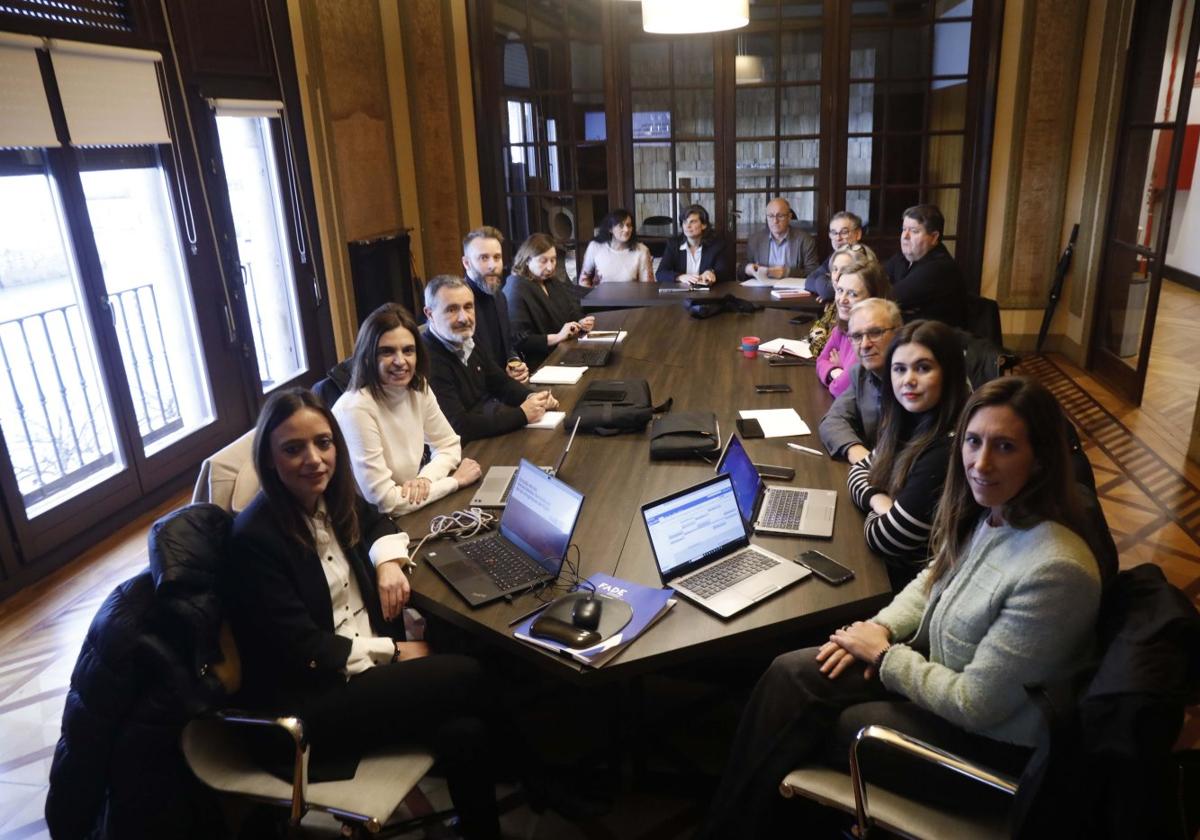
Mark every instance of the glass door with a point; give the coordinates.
(1162, 56)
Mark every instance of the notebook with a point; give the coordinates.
(591, 356)
(701, 545)
(535, 531)
(776, 510)
(493, 490)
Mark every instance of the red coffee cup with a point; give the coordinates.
(750, 346)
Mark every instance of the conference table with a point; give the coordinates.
(697, 363)
(608, 296)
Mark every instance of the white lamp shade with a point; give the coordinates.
(748, 69)
(682, 17)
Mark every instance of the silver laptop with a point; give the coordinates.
(793, 511)
(493, 490)
(535, 532)
(701, 545)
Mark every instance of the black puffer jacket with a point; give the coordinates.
(118, 771)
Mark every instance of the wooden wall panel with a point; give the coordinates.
(433, 103)
(1045, 119)
(359, 117)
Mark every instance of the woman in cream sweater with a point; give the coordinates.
(389, 414)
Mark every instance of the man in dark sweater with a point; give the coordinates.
(926, 281)
(473, 392)
(483, 260)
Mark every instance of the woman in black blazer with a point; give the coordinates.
(697, 239)
(318, 599)
(543, 310)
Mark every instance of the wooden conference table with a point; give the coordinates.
(698, 363)
(629, 295)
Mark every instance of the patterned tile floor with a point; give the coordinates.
(1149, 492)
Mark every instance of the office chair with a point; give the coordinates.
(893, 812)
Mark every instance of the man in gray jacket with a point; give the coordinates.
(848, 428)
(783, 250)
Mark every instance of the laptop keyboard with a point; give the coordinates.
(784, 509)
(589, 357)
(731, 570)
(502, 562)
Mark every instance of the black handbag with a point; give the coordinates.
(685, 434)
(613, 406)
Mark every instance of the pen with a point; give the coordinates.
(807, 449)
(524, 616)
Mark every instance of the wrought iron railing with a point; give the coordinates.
(56, 426)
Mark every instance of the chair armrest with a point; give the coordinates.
(917, 749)
(294, 727)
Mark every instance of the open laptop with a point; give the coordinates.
(494, 489)
(702, 547)
(590, 356)
(535, 531)
(802, 512)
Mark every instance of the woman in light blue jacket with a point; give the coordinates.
(1009, 600)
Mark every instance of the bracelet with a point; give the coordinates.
(878, 663)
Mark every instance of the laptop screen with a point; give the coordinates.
(694, 526)
(540, 516)
(746, 481)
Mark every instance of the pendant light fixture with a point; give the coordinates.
(691, 17)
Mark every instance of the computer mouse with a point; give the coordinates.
(586, 613)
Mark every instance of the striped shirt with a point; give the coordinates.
(904, 530)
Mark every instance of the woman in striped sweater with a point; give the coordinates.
(898, 484)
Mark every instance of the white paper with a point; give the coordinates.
(777, 422)
(602, 337)
(550, 420)
(794, 346)
(557, 375)
(797, 283)
(762, 281)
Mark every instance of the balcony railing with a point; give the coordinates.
(56, 426)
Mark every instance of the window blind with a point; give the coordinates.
(24, 115)
(110, 95)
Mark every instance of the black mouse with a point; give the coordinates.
(586, 613)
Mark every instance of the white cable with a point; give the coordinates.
(460, 523)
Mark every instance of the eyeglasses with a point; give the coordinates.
(778, 217)
(841, 234)
(874, 334)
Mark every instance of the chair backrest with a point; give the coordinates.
(983, 319)
(227, 478)
(335, 384)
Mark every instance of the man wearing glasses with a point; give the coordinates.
(780, 250)
(845, 228)
(848, 428)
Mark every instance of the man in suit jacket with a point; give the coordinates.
(473, 392)
(926, 281)
(783, 250)
(483, 260)
(845, 228)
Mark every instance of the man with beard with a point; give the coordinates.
(483, 260)
(471, 389)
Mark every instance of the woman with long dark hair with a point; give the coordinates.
(543, 311)
(1009, 601)
(897, 485)
(318, 595)
(389, 414)
(615, 255)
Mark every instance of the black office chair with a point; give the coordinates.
(983, 319)
(1104, 768)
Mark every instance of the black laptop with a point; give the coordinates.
(590, 356)
(535, 531)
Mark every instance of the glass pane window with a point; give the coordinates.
(130, 210)
(256, 197)
(54, 409)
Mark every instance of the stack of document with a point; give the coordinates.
(777, 422)
(550, 420)
(603, 337)
(787, 347)
(558, 374)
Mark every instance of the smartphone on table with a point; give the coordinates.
(824, 567)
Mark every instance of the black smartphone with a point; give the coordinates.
(773, 388)
(788, 361)
(826, 568)
(749, 427)
(773, 471)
